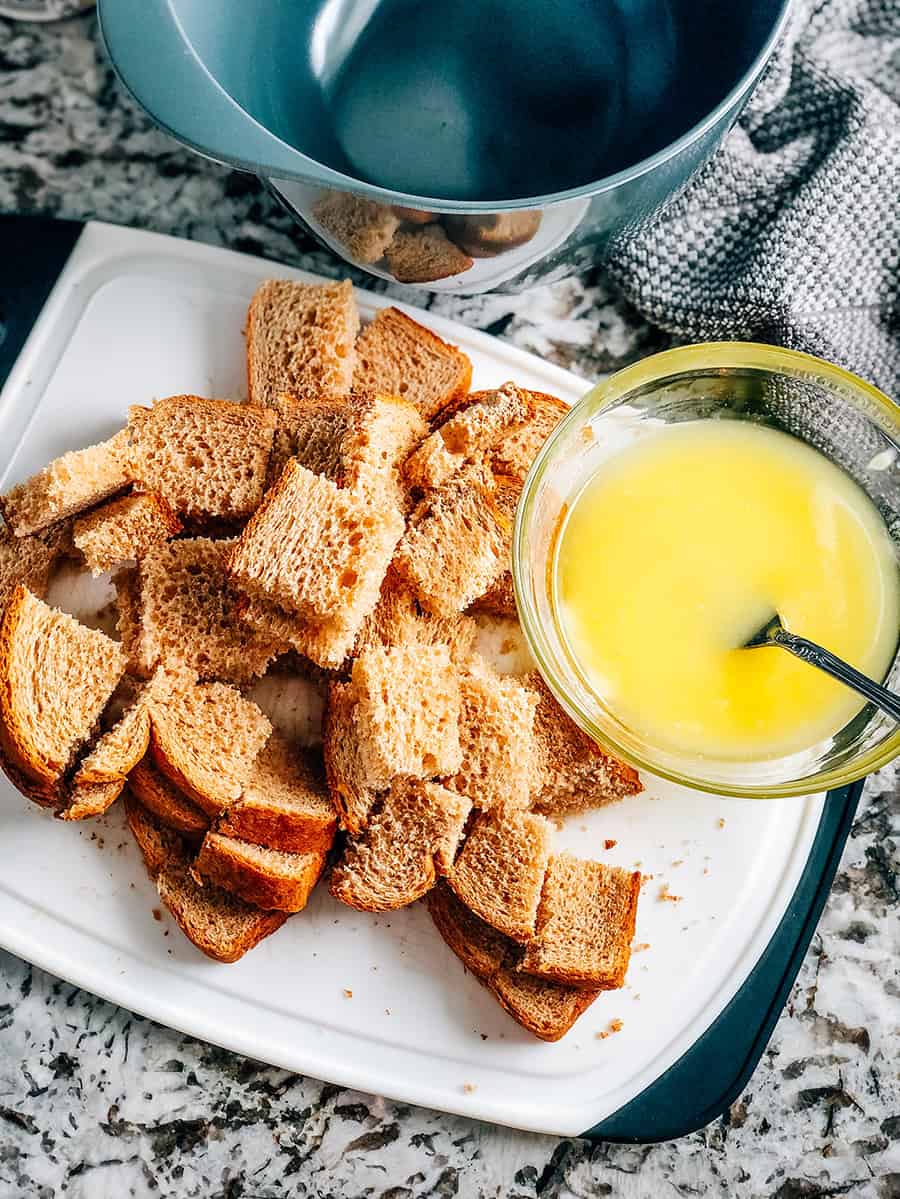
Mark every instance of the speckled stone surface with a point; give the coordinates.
(96, 1103)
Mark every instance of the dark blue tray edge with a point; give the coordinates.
(706, 1080)
(33, 252)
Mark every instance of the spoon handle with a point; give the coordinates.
(815, 655)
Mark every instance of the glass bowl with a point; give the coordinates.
(833, 411)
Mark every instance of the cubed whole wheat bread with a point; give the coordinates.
(573, 772)
(516, 450)
(164, 801)
(317, 549)
(102, 773)
(56, 677)
(399, 619)
(474, 427)
(218, 923)
(500, 870)
(500, 597)
(29, 561)
(268, 878)
(455, 544)
(128, 619)
(410, 840)
(398, 356)
(205, 739)
(124, 529)
(490, 233)
(381, 431)
(190, 620)
(363, 228)
(346, 769)
(285, 803)
(585, 923)
(68, 485)
(300, 338)
(310, 429)
(425, 254)
(496, 732)
(325, 643)
(207, 458)
(546, 1009)
(408, 710)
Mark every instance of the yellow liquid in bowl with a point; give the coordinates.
(682, 546)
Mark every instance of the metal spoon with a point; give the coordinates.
(773, 632)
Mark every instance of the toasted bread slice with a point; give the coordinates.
(363, 227)
(56, 677)
(585, 924)
(424, 255)
(285, 804)
(165, 802)
(124, 529)
(411, 838)
(473, 428)
(268, 878)
(500, 597)
(456, 543)
(398, 356)
(205, 739)
(217, 922)
(29, 561)
(573, 772)
(317, 549)
(496, 730)
(300, 339)
(500, 870)
(190, 621)
(207, 458)
(69, 485)
(514, 452)
(395, 734)
(546, 1009)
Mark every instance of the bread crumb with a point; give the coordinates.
(348, 994)
(640, 947)
(469, 1088)
(647, 878)
(666, 896)
(157, 914)
(387, 1011)
(706, 870)
(587, 434)
(609, 843)
(720, 823)
(678, 862)
(614, 1026)
(636, 996)
(638, 864)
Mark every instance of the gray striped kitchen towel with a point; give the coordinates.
(791, 233)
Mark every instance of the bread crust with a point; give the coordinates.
(221, 862)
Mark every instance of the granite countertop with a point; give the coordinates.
(96, 1102)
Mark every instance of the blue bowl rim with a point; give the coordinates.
(140, 74)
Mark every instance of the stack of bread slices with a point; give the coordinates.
(349, 523)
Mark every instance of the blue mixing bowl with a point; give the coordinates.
(459, 146)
